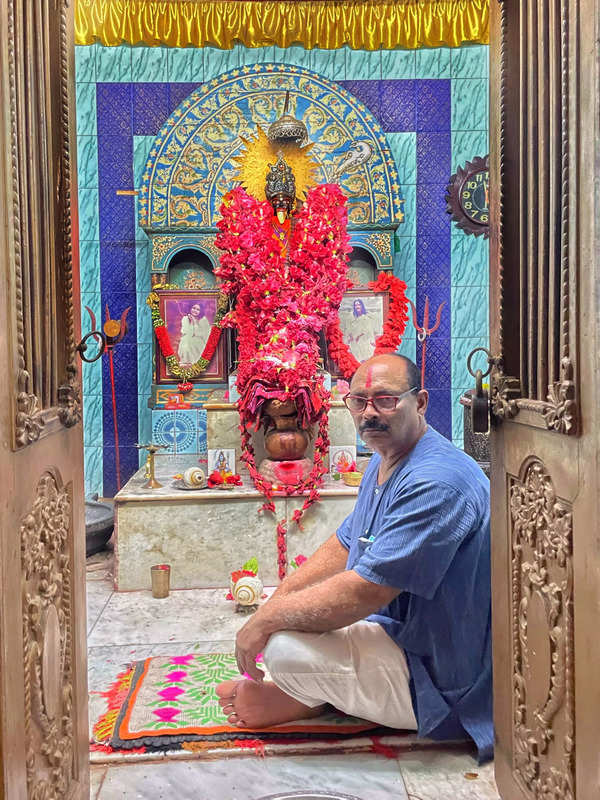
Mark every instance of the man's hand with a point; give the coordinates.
(250, 641)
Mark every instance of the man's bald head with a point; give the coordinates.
(399, 368)
(389, 429)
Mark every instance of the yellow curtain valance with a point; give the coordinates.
(328, 24)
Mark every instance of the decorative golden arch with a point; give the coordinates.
(191, 164)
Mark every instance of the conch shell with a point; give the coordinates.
(247, 591)
(194, 477)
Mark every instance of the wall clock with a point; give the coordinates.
(467, 197)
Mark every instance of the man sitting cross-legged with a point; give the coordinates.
(390, 619)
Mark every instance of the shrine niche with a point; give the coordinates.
(196, 160)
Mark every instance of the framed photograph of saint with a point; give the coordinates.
(362, 316)
(188, 316)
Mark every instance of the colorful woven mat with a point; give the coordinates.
(169, 702)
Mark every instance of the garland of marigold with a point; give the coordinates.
(392, 333)
(196, 369)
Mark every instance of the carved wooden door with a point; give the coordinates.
(43, 695)
(545, 388)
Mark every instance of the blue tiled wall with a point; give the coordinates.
(432, 105)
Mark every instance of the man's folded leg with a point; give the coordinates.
(357, 669)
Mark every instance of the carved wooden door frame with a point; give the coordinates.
(43, 682)
(545, 330)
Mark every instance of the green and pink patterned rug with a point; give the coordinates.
(165, 703)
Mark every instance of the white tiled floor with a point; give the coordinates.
(130, 626)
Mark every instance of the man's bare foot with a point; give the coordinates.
(249, 704)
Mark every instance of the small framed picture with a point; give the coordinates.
(341, 457)
(362, 316)
(189, 316)
(221, 460)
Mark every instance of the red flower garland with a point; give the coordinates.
(392, 333)
(285, 294)
(164, 342)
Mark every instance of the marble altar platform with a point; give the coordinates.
(206, 534)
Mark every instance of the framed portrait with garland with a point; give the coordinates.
(363, 314)
(189, 316)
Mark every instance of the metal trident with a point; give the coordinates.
(424, 331)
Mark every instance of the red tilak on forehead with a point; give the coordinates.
(369, 380)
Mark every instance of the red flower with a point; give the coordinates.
(163, 340)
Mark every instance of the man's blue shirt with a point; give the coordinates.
(426, 531)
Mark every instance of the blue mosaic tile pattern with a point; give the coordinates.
(202, 444)
(186, 431)
(163, 429)
(433, 105)
(151, 107)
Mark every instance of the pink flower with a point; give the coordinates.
(166, 714)
(183, 659)
(177, 675)
(171, 692)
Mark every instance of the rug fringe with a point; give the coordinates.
(115, 696)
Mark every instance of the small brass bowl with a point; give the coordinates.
(352, 478)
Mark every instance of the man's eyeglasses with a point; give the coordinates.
(383, 402)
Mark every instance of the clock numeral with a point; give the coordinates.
(466, 195)
(484, 217)
(468, 205)
(472, 184)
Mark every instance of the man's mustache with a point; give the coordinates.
(373, 425)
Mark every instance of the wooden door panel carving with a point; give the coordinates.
(545, 384)
(47, 390)
(44, 745)
(542, 635)
(534, 370)
(47, 640)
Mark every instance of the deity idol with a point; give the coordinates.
(284, 266)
